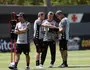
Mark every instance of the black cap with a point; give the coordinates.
(20, 14)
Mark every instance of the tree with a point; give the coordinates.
(70, 2)
(43, 2)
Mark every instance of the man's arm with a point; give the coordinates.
(62, 26)
(17, 31)
(50, 26)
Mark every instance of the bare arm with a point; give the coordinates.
(50, 26)
(20, 31)
(46, 25)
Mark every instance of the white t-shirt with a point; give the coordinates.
(49, 36)
(22, 38)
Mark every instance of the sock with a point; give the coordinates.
(16, 64)
(37, 63)
(65, 62)
(27, 64)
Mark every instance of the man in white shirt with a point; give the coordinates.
(22, 30)
(49, 39)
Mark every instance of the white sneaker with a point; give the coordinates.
(12, 66)
(51, 66)
(40, 66)
(27, 68)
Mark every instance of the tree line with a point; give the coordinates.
(42, 2)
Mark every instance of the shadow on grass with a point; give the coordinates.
(39, 69)
(72, 66)
(76, 66)
(80, 66)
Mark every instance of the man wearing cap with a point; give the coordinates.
(38, 35)
(49, 39)
(63, 36)
(22, 30)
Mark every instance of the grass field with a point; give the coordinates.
(77, 60)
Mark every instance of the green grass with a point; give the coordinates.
(77, 60)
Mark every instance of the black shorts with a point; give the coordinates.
(25, 48)
(38, 43)
(13, 36)
(63, 44)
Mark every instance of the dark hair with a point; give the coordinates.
(40, 14)
(59, 12)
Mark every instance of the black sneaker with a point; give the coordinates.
(51, 66)
(13, 68)
(63, 65)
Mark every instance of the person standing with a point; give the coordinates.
(22, 30)
(49, 39)
(13, 36)
(63, 36)
(38, 36)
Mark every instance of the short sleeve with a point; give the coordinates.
(28, 25)
(63, 24)
(38, 22)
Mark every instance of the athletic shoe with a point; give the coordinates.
(40, 66)
(63, 65)
(51, 66)
(12, 66)
(27, 68)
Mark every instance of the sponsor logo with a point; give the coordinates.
(85, 43)
(5, 45)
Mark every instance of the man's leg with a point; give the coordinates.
(27, 60)
(53, 53)
(44, 52)
(26, 50)
(37, 58)
(18, 53)
(36, 42)
(17, 60)
(64, 54)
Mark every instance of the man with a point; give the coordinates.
(22, 30)
(49, 39)
(63, 36)
(38, 36)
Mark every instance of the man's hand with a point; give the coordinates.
(45, 25)
(61, 30)
(23, 30)
(20, 31)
